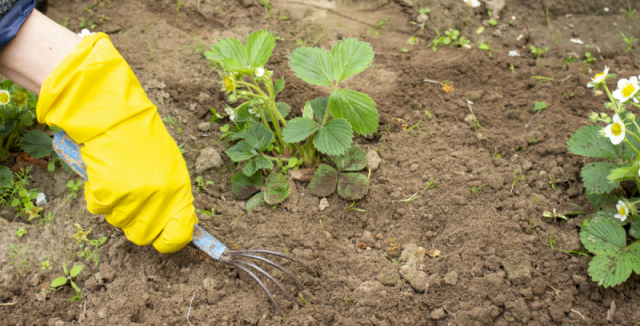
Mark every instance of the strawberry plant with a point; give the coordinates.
(612, 234)
(267, 140)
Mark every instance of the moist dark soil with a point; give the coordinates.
(488, 260)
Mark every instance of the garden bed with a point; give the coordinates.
(494, 264)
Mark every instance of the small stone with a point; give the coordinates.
(102, 313)
(41, 297)
(203, 97)
(451, 278)
(34, 280)
(526, 166)
(577, 279)
(438, 314)
(388, 276)
(208, 158)
(469, 119)
(422, 18)
(517, 267)
(411, 254)
(107, 272)
(204, 126)
(328, 235)
(373, 160)
(324, 203)
(192, 107)
(367, 237)
(417, 279)
(433, 253)
(414, 167)
(209, 284)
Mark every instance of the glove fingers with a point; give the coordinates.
(178, 232)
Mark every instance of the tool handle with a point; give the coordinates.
(69, 151)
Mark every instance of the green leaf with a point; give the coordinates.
(324, 181)
(276, 189)
(283, 108)
(232, 65)
(319, 106)
(355, 159)
(279, 86)
(355, 107)
(353, 186)
(259, 47)
(256, 200)
(64, 268)
(609, 214)
(594, 176)
(538, 106)
(243, 186)
(75, 270)
(228, 48)
(36, 143)
(634, 227)
(60, 281)
(334, 138)
(612, 268)
(242, 151)
(6, 176)
(588, 142)
(307, 111)
(23, 192)
(603, 235)
(298, 129)
(350, 57)
(600, 201)
(257, 163)
(313, 65)
(259, 137)
(625, 172)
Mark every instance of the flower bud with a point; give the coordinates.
(604, 117)
(608, 105)
(631, 116)
(259, 72)
(594, 117)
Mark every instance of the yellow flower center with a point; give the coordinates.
(20, 98)
(622, 211)
(599, 75)
(229, 84)
(628, 90)
(4, 98)
(616, 129)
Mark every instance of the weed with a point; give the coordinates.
(169, 120)
(178, 5)
(211, 213)
(476, 123)
(73, 191)
(64, 23)
(538, 106)
(19, 256)
(629, 41)
(486, 47)
(538, 51)
(414, 126)
(378, 27)
(496, 153)
(425, 11)
(431, 185)
(86, 22)
(480, 30)
(452, 37)
(628, 13)
(512, 68)
(91, 255)
(301, 297)
(553, 181)
(180, 128)
(68, 278)
(588, 58)
(80, 236)
(45, 264)
(150, 50)
(201, 184)
(20, 232)
(353, 208)
(553, 215)
(476, 190)
(267, 6)
(24, 204)
(542, 79)
(567, 60)
(48, 217)
(517, 177)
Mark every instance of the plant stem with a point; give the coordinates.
(629, 143)
(613, 101)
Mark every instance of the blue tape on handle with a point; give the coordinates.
(69, 151)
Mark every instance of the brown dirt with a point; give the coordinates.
(495, 265)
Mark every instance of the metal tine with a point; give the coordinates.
(263, 272)
(238, 265)
(262, 259)
(269, 252)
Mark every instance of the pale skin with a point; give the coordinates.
(40, 45)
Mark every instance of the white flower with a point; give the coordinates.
(251, 111)
(599, 78)
(84, 33)
(472, 3)
(5, 97)
(231, 113)
(259, 72)
(626, 89)
(615, 131)
(41, 199)
(623, 210)
(514, 54)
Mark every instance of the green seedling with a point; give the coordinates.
(86, 22)
(180, 129)
(72, 192)
(20, 232)
(404, 50)
(301, 297)
(68, 278)
(201, 184)
(412, 40)
(353, 208)
(378, 27)
(178, 6)
(19, 256)
(486, 47)
(80, 236)
(613, 231)
(169, 120)
(538, 51)
(588, 58)
(556, 35)
(425, 11)
(538, 106)
(542, 79)
(267, 6)
(211, 213)
(414, 126)
(629, 41)
(547, 17)
(431, 185)
(517, 177)
(567, 60)
(496, 153)
(520, 149)
(44, 265)
(512, 68)
(553, 215)
(568, 96)
(573, 252)
(476, 123)
(553, 181)
(215, 116)
(480, 30)
(326, 127)
(91, 254)
(24, 204)
(628, 13)
(452, 37)
(476, 190)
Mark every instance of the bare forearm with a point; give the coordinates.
(38, 48)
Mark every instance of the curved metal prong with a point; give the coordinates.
(263, 272)
(237, 264)
(262, 259)
(275, 253)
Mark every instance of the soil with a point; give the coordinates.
(495, 265)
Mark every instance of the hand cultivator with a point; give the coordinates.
(69, 152)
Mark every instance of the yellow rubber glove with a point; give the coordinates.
(137, 175)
